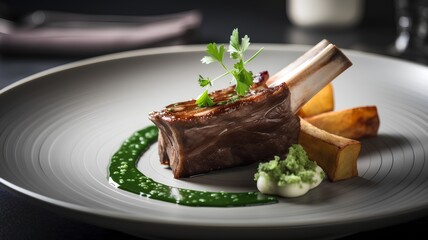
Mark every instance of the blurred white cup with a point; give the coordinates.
(325, 13)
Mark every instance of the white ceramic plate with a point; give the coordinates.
(59, 128)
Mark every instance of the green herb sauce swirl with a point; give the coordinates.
(123, 174)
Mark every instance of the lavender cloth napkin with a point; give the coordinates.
(51, 33)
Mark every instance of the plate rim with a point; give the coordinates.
(141, 218)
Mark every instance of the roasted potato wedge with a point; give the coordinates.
(322, 102)
(354, 123)
(336, 155)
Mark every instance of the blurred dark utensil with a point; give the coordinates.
(412, 28)
(64, 19)
(57, 33)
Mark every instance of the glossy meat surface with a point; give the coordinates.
(236, 132)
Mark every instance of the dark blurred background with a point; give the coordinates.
(24, 51)
(263, 21)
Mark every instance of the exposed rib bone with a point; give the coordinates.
(311, 72)
(253, 128)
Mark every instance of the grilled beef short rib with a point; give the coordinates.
(252, 128)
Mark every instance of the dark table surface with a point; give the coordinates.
(21, 219)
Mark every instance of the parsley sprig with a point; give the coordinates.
(241, 76)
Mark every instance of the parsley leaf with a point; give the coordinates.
(204, 100)
(242, 77)
(245, 43)
(236, 48)
(234, 44)
(215, 53)
(203, 82)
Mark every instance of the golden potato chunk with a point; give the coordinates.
(336, 155)
(352, 123)
(323, 101)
